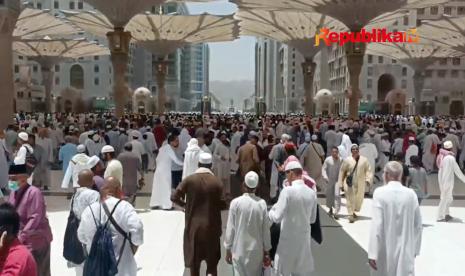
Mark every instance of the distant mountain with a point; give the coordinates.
(237, 90)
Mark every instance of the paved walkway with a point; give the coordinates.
(343, 251)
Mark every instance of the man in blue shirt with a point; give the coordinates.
(67, 152)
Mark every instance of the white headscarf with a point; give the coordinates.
(191, 158)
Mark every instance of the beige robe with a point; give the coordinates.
(311, 161)
(222, 168)
(362, 175)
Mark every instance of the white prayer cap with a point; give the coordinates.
(293, 165)
(93, 161)
(452, 130)
(354, 146)
(411, 138)
(193, 142)
(314, 137)
(448, 145)
(251, 180)
(308, 137)
(81, 148)
(71, 127)
(135, 134)
(205, 158)
(107, 149)
(23, 136)
(253, 134)
(122, 129)
(371, 132)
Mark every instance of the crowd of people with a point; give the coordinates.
(267, 170)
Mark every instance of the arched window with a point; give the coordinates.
(77, 76)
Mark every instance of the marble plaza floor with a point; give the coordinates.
(343, 251)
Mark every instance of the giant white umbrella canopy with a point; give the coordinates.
(48, 52)
(355, 14)
(34, 23)
(164, 34)
(112, 18)
(448, 31)
(296, 29)
(418, 56)
(16, 24)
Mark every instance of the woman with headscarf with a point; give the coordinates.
(191, 158)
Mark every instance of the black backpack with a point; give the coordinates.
(102, 260)
(31, 161)
(73, 249)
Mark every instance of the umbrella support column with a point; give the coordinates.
(47, 81)
(8, 18)
(119, 47)
(418, 83)
(308, 69)
(354, 54)
(161, 69)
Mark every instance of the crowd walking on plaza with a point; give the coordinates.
(267, 171)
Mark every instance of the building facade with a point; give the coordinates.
(443, 91)
(93, 76)
(278, 76)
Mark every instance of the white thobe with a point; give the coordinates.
(184, 138)
(332, 140)
(429, 157)
(396, 229)
(248, 234)
(127, 218)
(161, 187)
(446, 177)
(191, 161)
(296, 211)
(369, 151)
(114, 169)
(412, 150)
(235, 144)
(75, 166)
(345, 147)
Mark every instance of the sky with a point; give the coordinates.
(228, 60)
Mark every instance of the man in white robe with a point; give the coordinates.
(76, 165)
(235, 144)
(448, 169)
(412, 150)
(296, 210)
(161, 187)
(430, 150)
(114, 167)
(125, 216)
(330, 173)
(396, 227)
(184, 138)
(191, 158)
(247, 240)
(369, 151)
(345, 146)
(332, 139)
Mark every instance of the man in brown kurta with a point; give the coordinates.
(201, 195)
(247, 156)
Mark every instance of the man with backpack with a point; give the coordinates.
(83, 197)
(112, 231)
(25, 151)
